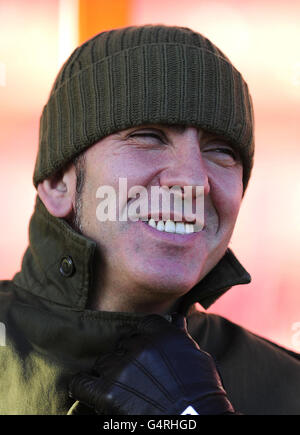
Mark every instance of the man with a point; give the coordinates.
(97, 318)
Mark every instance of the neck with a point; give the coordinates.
(113, 293)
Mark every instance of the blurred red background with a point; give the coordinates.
(262, 39)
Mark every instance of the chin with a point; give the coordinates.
(176, 281)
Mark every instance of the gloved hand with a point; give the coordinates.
(158, 370)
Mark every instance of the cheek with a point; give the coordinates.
(120, 171)
(226, 192)
(128, 170)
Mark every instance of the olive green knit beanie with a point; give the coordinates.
(138, 75)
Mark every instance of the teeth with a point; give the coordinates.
(197, 228)
(170, 226)
(180, 228)
(160, 226)
(189, 228)
(152, 223)
(174, 227)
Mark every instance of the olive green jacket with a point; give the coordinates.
(50, 335)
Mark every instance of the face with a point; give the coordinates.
(141, 268)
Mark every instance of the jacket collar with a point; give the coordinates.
(58, 266)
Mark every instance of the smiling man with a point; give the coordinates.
(155, 267)
(100, 318)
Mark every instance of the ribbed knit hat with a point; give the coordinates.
(151, 74)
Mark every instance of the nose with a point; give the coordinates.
(186, 166)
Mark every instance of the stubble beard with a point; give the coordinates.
(79, 163)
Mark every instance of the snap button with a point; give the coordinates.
(67, 267)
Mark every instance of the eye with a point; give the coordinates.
(228, 151)
(223, 155)
(155, 136)
(145, 136)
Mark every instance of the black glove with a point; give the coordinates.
(158, 370)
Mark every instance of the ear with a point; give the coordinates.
(58, 193)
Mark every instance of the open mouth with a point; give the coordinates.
(170, 226)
